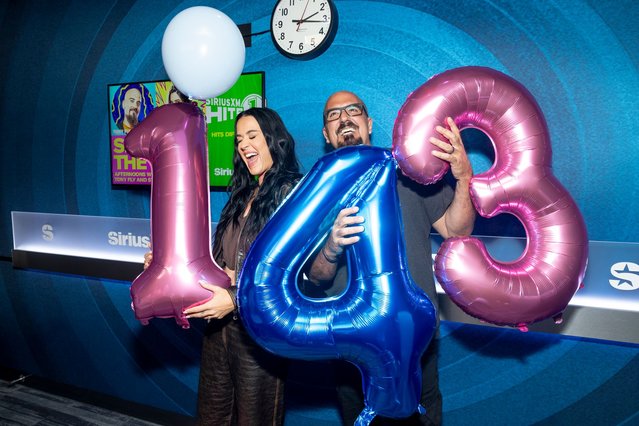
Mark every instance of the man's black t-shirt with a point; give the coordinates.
(421, 205)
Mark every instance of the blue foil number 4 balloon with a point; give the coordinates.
(382, 322)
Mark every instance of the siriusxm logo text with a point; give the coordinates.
(627, 274)
(47, 232)
(128, 239)
(226, 109)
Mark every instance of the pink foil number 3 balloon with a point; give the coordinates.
(172, 139)
(541, 282)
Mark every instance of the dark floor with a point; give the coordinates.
(30, 401)
(26, 405)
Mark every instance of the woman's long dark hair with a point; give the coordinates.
(277, 183)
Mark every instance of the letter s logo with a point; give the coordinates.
(47, 232)
(628, 274)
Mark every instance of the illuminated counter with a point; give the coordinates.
(607, 307)
(98, 246)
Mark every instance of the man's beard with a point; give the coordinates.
(132, 117)
(349, 139)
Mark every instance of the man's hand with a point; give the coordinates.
(217, 307)
(345, 227)
(342, 233)
(458, 220)
(453, 151)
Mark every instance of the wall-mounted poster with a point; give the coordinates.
(130, 103)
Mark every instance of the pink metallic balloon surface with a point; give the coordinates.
(172, 139)
(541, 282)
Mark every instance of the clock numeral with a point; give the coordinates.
(290, 44)
(322, 6)
(321, 31)
(279, 24)
(282, 36)
(301, 46)
(291, 3)
(284, 11)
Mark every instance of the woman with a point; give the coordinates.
(240, 382)
(175, 96)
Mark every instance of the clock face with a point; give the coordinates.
(303, 29)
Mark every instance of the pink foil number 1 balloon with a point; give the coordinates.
(172, 139)
(541, 282)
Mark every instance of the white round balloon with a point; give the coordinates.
(203, 52)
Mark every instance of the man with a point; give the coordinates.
(450, 212)
(131, 107)
(131, 104)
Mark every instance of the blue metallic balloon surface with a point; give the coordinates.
(382, 322)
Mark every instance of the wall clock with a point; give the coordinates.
(303, 29)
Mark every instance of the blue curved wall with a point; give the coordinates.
(580, 59)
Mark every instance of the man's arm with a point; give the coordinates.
(324, 266)
(459, 219)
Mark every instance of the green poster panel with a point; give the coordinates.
(220, 113)
(130, 103)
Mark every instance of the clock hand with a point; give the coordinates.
(302, 18)
(300, 21)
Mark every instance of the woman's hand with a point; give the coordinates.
(148, 258)
(220, 305)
